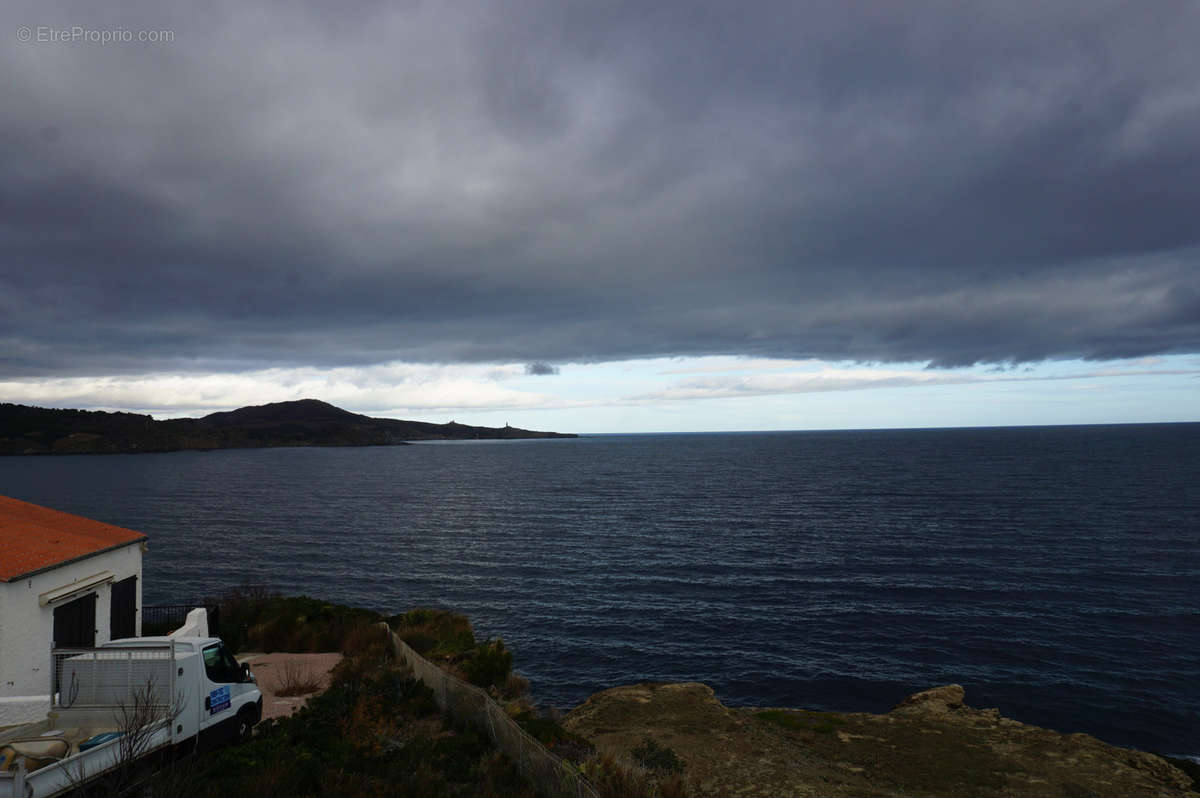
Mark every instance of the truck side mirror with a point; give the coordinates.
(246, 677)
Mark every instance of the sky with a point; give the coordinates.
(605, 216)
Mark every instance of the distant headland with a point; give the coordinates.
(306, 422)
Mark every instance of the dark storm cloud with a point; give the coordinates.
(540, 369)
(551, 182)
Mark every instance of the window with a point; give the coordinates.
(221, 666)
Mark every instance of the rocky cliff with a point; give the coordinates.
(931, 745)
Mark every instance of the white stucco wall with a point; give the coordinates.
(26, 627)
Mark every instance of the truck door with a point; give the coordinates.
(225, 686)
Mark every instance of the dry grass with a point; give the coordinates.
(270, 671)
(618, 778)
(368, 642)
(295, 679)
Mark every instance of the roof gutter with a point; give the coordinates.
(60, 563)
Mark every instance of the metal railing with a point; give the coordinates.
(162, 619)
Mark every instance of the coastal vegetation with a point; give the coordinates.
(255, 619)
(377, 730)
(822, 722)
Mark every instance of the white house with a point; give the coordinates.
(64, 581)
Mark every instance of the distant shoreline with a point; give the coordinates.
(26, 430)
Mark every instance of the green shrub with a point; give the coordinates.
(255, 619)
(801, 720)
(653, 756)
(489, 664)
(434, 633)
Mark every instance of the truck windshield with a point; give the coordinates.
(220, 665)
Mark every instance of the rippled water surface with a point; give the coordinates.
(1054, 572)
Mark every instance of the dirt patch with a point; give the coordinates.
(277, 672)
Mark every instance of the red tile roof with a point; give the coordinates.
(34, 538)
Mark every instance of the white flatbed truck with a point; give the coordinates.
(114, 705)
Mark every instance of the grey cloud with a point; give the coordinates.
(540, 369)
(547, 182)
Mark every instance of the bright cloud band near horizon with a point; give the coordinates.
(654, 395)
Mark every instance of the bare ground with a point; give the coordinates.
(274, 671)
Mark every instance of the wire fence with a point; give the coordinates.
(551, 775)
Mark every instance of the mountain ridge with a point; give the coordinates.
(26, 429)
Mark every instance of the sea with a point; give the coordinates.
(1054, 572)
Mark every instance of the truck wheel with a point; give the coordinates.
(244, 728)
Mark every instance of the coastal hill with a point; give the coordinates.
(306, 422)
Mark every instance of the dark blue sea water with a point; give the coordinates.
(1054, 572)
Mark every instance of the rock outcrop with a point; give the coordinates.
(934, 701)
(931, 745)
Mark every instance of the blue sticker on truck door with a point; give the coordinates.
(218, 699)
